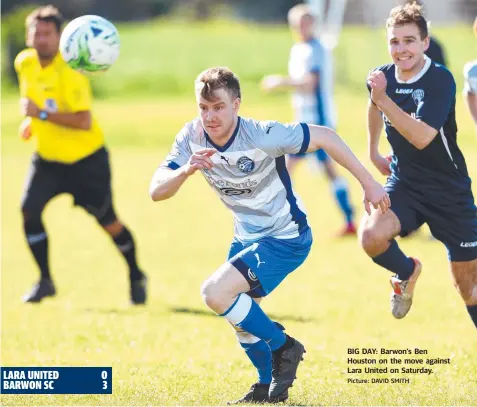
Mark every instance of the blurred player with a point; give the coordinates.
(428, 180)
(243, 161)
(70, 154)
(470, 90)
(310, 78)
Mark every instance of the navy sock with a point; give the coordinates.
(396, 261)
(340, 189)
(125, 243)
(472, 310)
(37, 240)
(247, 315)
(261, 357)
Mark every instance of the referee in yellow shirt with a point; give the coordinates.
(70, 154)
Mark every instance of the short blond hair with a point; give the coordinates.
(216, 78)
(296, 13)
(410, 13)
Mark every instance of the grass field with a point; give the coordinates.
(174, 351)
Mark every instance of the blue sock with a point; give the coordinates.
(396, 261)
(247, 314)
(472, 309)
(340, 189)
(261, 357)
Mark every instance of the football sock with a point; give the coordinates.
(125, 243)
(472, 310)
(340, 189)
(396, 261)
(247, 314)
(37, 240)
(259, 354)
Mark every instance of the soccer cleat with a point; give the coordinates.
(401, 297)
(138, 290)
(44, 288)
(349, 230)
(258, 393)
(285, 361)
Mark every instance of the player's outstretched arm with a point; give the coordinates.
(166, 182)
(418, 133)
(375, 127)
(327, 139)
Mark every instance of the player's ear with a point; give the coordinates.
(427, 41)
(236, 104)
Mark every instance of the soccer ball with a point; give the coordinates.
(90, 44)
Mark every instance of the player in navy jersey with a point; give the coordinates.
(310, 77)
(243, 161)
(427, 176)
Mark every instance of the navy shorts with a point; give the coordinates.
(266, 262)
(455, 226)
(320, 155)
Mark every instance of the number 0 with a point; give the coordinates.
(104, 374)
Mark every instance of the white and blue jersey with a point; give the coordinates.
(250, 176)
(312, 107)
(470, 76)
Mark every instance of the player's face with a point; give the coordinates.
(219, 116)
(407, 48)
(45, 38)
(303, 28)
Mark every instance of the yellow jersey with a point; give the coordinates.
(57, 88)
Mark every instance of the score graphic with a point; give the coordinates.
(56, 380)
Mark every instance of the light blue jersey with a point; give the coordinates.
(250, 175)
(470, 76)
(312, 107)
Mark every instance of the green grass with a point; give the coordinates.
(174, 351)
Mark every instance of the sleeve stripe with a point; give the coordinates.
(306, 138)
(173, 166)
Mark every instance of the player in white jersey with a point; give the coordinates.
(243, 161)
(470, 90)
(310, 77)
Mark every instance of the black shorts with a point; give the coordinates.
(88, 180)
(454, 225)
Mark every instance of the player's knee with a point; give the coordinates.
(245, 337)
(211, 295)
(369, 238)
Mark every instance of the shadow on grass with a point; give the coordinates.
(205, 313)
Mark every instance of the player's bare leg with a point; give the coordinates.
(464, 274)
(224, 293)
(376, 235)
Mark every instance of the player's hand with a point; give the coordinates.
(271, 82)
(25, 129)
(376, 196)
(378, 83)
(29, 108)
(200, 160)
(382, 163)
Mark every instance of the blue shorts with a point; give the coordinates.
(320, 155)
(266, 262)
(455, 226)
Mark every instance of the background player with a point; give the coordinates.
(429, 182)
(311, 79)
(70, 154)
(470, 90)
(243, 161)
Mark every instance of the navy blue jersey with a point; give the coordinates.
(437, 173)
